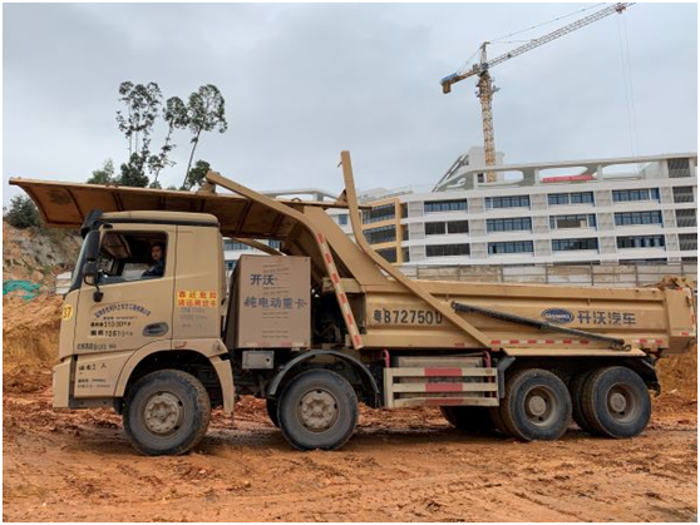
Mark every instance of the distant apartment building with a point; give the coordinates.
(625, 210)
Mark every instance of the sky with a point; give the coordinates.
(304, 81)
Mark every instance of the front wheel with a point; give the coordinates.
(167, 413)
(318, 410)
(271, 406)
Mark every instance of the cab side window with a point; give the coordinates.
(127, 257)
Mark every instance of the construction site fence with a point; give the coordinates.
(605, 275)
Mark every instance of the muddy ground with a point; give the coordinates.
(400, 466)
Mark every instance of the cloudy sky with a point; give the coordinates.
(303, 82)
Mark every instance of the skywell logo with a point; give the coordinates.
(558, 315)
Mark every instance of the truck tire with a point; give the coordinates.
(476, 419)
(318, 410)
(495, 414)
(616, 402)
(536, 406)
(167, 413)
(271, 406)
(576, 390)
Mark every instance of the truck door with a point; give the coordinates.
(136, 307)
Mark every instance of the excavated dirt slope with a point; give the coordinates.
(400, 466)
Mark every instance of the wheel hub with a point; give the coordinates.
(618, 402)
(537, 405)
(318, 410)
(163, 413)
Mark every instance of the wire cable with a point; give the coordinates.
(547, 22)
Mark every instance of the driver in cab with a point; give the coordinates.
(158, 256)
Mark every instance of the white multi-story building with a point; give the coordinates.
(641, 209)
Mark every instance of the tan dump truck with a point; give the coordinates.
(325, 323)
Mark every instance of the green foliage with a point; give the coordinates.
(23, 213)
(132, 173)
(104, 175)
(197, 174)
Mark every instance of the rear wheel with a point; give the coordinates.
(318, 410)
(536, 406)
(468, 418)
(167, 413)
(576, 390)
(616, 402)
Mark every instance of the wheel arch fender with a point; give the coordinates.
(368, 380)
(212, 350)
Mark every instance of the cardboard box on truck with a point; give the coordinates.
(273, 298)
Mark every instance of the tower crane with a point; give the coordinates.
(485, 84)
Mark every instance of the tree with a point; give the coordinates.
(23, 213)
(175, 115)
(104, 175)
(205, 112)
(132, 173)
(197, 174)
(143, 103)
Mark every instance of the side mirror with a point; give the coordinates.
(90, 269)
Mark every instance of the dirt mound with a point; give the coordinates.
(30, 341)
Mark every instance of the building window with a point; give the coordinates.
(683, 194)
(507, 225)
(644, 194)
(637, 218)
(230, 265)
(435, 228)
(381, 234)
(686, 218)
(563, 245)
(451, 205)
(446, 250)
(230, 245)
(406, 255)
(404, 233)
(582, 220)
(688, 242)
(274, 243)
(457, 227)
(641, 241)
(384, 212)
(388, 253)
(343, 219)
(497, 248)
(678, 168)
(584, 197)
(441, 228)
(513, 201)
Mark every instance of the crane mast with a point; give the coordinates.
(485, 85)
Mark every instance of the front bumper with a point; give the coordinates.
(62, 384)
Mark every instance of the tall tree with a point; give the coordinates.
(206, 111)
(143, 103)
(175, 116)
(104, 175)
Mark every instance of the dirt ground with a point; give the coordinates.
(400, 466)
